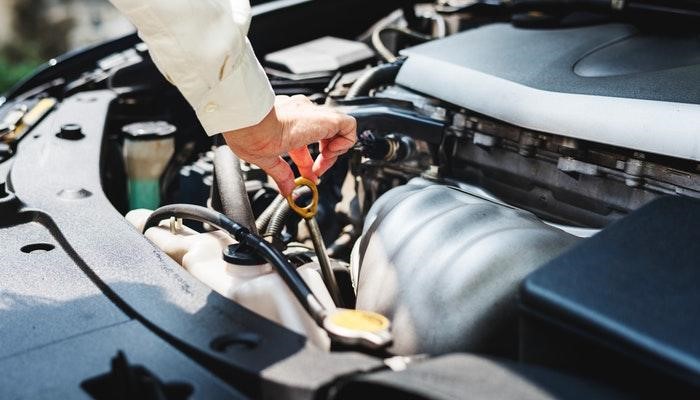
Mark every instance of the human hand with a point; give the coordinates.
(292, 124)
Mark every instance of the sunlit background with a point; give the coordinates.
(34, 31)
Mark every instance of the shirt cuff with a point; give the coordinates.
(241, 99)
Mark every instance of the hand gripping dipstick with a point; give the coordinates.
(308, 213)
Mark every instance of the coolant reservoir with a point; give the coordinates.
(148, 147)
(256, 287)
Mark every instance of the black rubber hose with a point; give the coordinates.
(197, 213)
(264, 217)
(288, 273)
(374, 77)
(230, 195)
(278, 219)
(282, 212)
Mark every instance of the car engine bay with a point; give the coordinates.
(518, 218)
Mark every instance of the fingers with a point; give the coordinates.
(323, 163)
(338, 144)
(280, 171)
(345, 135)
(302, 159)
(294, 123)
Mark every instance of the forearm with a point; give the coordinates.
(200, 47)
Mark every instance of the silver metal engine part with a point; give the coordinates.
(444, 266)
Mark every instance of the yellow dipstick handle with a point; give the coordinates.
(308, 211)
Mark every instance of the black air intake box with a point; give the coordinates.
(624, 305)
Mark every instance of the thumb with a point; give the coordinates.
(280, 171)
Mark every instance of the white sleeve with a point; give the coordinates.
(201, 47)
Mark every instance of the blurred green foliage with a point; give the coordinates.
(11, 73)
(38, 38)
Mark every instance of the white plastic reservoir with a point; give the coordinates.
(258, 288)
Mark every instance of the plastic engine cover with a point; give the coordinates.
(444, 265)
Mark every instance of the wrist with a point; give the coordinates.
(270, 126)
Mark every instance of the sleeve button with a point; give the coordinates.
(211, 107)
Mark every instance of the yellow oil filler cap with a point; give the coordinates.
(358, 327)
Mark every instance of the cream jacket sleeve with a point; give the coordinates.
(201, 47)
